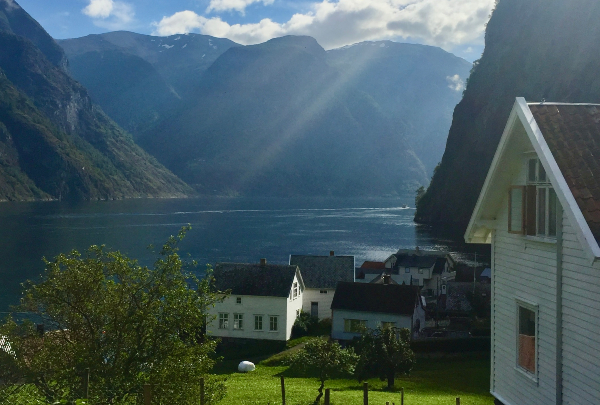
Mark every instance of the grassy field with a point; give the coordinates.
(436, 382)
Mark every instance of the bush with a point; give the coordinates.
(307, 325)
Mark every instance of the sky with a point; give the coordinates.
(455, 25)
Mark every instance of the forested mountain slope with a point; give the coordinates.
(537, 49)
(55, 142)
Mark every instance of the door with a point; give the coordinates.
(314, 309)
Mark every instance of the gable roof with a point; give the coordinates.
(373, 265)
(381, 298)
(413, 260)
(572, 133)
(324, 271)
(560, 134)
(268, 280)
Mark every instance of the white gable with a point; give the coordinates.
(522, 135)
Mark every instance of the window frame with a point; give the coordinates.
(238, 300)
(238, 321)
(258, 318)
(532, 307)
(352, 325)
(224, 320)
(295, 290)
(276, 323)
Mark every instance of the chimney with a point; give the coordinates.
(386, 278)
(331, 253)
(263, 262)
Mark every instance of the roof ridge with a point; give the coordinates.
(561, 103)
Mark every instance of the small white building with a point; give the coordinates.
(359, 305)
(427, 269)
(321, 275)
(540, 210)
(264, 301)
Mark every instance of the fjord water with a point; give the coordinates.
(223, 229)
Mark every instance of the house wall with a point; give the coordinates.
(581, 323)
(324, 300)
(294, 306)
(284, 308)
(373, 321)
(522, 268)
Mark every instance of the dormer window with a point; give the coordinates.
(532, 209)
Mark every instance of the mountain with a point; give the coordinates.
(537, 49)
(277, 119)
(138, 79)
(55, 142)
(416, 86)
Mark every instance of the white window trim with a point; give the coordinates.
(532, 306)
(262, 323)
(277, 322)
(239, 317)
(219, 320)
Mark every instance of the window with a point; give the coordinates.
(273, 320)
(354, 325)
(223, 321)
(295, 290)
(323, 291)
(388, 324)
(407, 269)
(526, 337)
(420, 271)
(533, 209)
(258, 322)
(238, 300)
(238, 321)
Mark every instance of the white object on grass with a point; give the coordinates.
(246, 366)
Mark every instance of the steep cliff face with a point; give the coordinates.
(537, 49)
(54, 142)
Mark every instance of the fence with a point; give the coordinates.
(154, 395)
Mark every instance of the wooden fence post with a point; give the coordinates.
(86, 384)
(147, 394)
(366, 393)
(327, 396)
(402, 396)
(282, 390)
(201, 390)
(458, 401)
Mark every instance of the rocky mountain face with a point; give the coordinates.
(416, 86)
(54, 142)
(537, 49)
(370, 119)
(277, 119)
(139, 79)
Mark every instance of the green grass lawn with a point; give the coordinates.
(436, 382)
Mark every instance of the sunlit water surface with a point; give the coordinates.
(223, 229)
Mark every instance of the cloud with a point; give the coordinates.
(455, 83)
(237, 5)
(110, 14)
(444, 23)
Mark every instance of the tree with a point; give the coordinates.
(384, 352)
(325, 358)
(419, 193)
(129, 325)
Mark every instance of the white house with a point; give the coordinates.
(321, 274)
(264, 302)
(427, 269)
(358, 305)
(540, 210)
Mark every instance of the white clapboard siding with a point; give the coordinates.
(581, 324)
(526, 270)
(324, 301)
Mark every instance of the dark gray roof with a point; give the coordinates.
(380, 280)
(324, 271)
(382, 298)
(269, 280)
